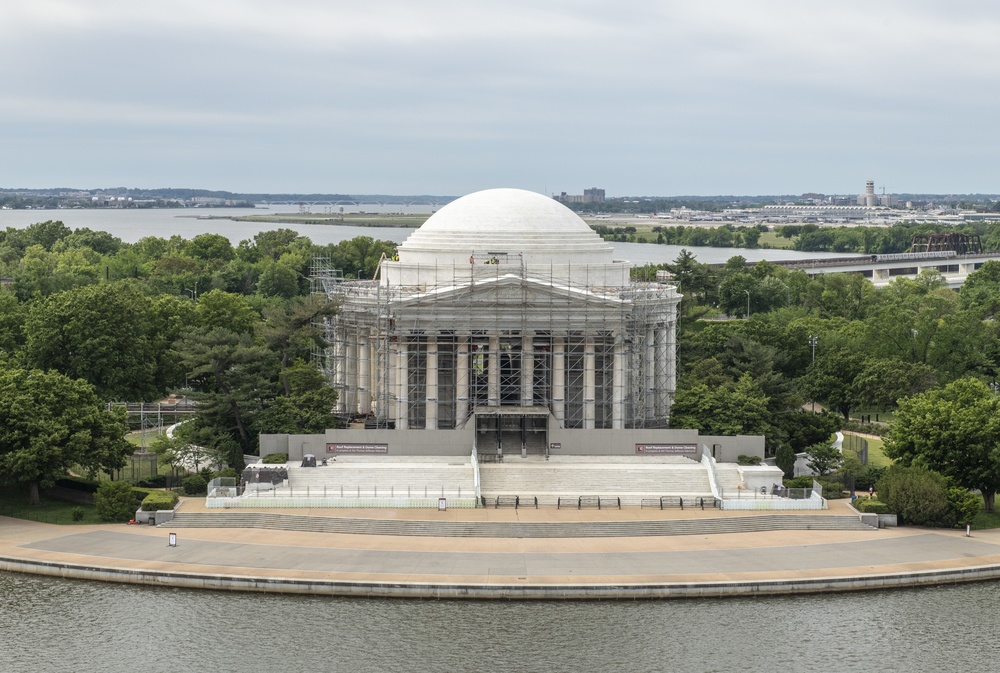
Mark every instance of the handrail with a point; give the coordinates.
(709, 462)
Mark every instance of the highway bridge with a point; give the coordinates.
(883, 269)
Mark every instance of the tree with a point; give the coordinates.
(954, 430)
(227, 311)
(49, 423)
(178, 452)
(823, 458)
(278, 280)
(291, 329)
(232, 375)
(831, 379)
(98, 333)
(884, 380)
(211, 248)
(307, 407)
(784, 458)
(731, 409)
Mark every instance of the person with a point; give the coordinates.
(871, 490)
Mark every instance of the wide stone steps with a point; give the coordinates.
(514, 529)
(631, 483)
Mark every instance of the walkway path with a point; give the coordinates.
(702, 565)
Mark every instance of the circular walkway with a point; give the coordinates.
(763, 563)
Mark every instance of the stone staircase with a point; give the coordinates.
(357, 477)
(515, 529)
(631, 481)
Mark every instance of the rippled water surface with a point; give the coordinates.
(49, 625)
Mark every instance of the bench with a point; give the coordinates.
(596, 501)
(507, 501)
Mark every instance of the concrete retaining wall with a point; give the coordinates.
(502, 591)
(571, 442)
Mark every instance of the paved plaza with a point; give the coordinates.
(691, 560)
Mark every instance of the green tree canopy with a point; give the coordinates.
(954, 430)
(49, 423)
(99, 333)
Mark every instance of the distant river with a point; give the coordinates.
(50, 625)
(132, 224)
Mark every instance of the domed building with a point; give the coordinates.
(505, 352)
(505, 313)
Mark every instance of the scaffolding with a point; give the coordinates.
(502, 341)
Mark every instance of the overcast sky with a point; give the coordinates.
(640, 97)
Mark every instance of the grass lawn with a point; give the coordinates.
(14, 503)
(876, 453)
(985, 520)
(348, 219)
(772, 240)
(136, 437)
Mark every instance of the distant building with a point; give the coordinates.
(592, 195)
(868, 198)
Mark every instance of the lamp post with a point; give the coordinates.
(813, 340)
(748, 302)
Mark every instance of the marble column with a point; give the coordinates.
(671, 363)
(618, 385)
(559, 380)
(376, 370)
(462, 382)
(528, 369)
(661, 370)
(351, 374)
(340, 368)
(650, 362)
(403, 383)
(493, 373)
(589, 381)
(364, 376)
(432, 384)
(388, 404)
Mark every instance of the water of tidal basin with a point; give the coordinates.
(50, 625)
(132, 224)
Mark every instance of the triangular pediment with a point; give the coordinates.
(511, 290)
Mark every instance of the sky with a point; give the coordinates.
(446, 97)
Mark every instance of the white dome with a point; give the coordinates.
(506, 221)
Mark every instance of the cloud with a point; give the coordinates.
(623, 89)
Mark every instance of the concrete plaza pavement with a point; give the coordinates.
(718, 564)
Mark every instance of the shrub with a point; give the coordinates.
(918, 495)
(275, 458)
(747, 460)
(77, 484)
(872, 506)
(804, 481)
(77, 513)
(158, 500)
(229, 472)
(115, 501)
(156, 481)
(876, 429)
(964, 504)
(195, 485)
